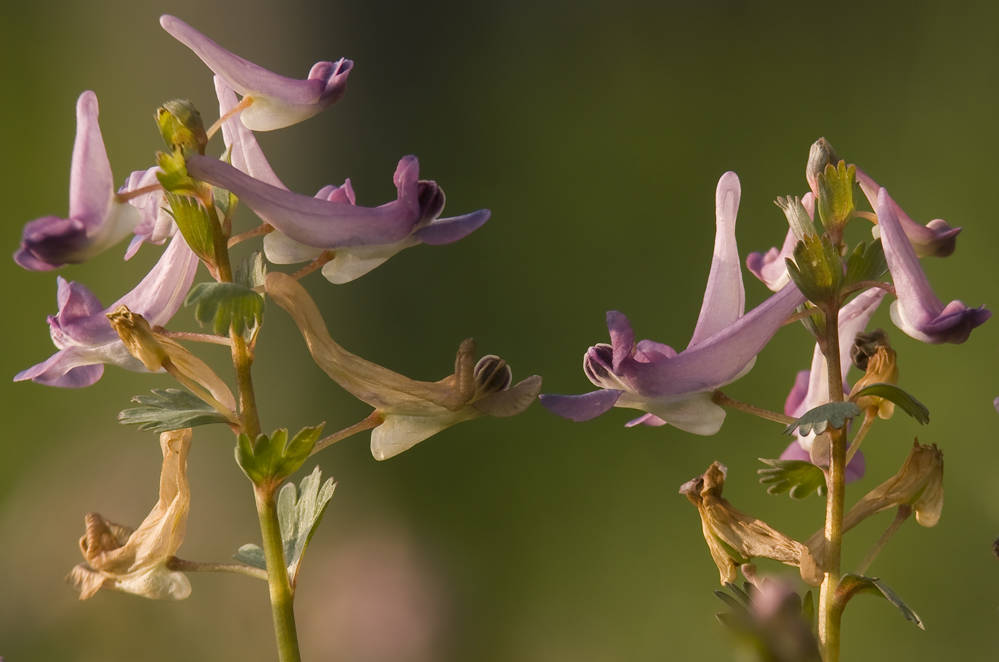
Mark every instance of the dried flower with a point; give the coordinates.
(120, 559)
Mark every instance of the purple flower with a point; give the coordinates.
(770, 267)
(918, 311)
(96, 220)
(273, 101)
(362, 237)
(156, 224)
(676, 388)
(83, 334)
(936, 238)
(811, 387)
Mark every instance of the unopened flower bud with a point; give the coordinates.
(181, 126)
(820, 155)
(734, 538)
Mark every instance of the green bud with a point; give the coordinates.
(819, 156)
(835, 194)
(817, 269)
(797, 217)
(181, 126)
(274, 457)
(197, 224)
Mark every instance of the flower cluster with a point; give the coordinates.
(188, 199)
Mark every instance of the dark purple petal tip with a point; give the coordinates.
(448, 230)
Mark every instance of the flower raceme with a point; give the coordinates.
(673, 387)
(362, 238)
(270, 101)
(97, 220)
(412, 410)
(84, 336)
(811, 388)
(120, 559)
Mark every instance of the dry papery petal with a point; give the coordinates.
(918, 483)
(730, 532)
(135, 561)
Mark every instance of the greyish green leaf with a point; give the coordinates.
(834, 414)
(195, 223)
(836, 188)
(273, 457)
(852, 584)
(797, 217)
(251, 271)
(299, 511)
(892, 393)
(797, 477)
(251, 555)
(170, 409)
(225, 306)
(866, 263)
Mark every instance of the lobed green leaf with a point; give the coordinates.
(834, 414)
(892, 393)
(796, 477)
(227, 306)
(170, 409)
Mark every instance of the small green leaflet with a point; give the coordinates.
(852, 584)
(299, 513)
(831, 414)
(251, 271)
(797, 477)
(274, 457)
(905, 402)
(225, 306)
(816, 269)
(170, 409)
(866, 263)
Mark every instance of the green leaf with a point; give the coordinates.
(817, 269)
(170, 409)
(808, 608)
(251, 271)
(866, 263)
(299, 511)
(225, 306)
(797, 477)
(835, 200)
(852, 584)
(173, 176)
(195, 224)
(892, 393)
(831, 414)
(797, 217)
(251, 555)
(272, 457)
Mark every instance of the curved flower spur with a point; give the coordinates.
(360, 238)
(270, 101)
(411, 410)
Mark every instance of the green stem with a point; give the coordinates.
(829, 617)
(282, 597)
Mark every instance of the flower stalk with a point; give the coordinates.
(829, 616)
(282, 596)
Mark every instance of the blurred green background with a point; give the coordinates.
(596, 134)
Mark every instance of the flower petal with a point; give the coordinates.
(936, 238)
(442, 231)
(918, 311)
(581, 407)
(277, 101)
(510, 401)
(725, 296)
(320, 223)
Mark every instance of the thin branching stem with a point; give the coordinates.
(903, 514)
(720, 398)
(312, 266)
(195, 337)
(260, 230)
(183, 565)
(869, 416)
(374, 420)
